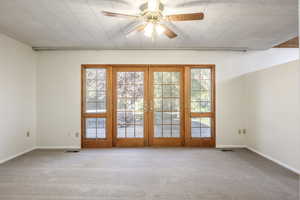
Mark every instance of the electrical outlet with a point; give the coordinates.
(77, 134)
(244, 131)
(240, 131)
(28, 134)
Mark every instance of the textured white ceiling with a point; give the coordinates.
(79, 24)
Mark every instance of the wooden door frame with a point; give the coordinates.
(186, 115)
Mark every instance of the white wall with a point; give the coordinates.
(258, 101)
(58, 86)
(273, 113)
(17, 98)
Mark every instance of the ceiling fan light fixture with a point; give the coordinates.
(149, 30)
(159, 29)
(151, 19)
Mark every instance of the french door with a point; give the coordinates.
(130, 96)
(166, 106)
(148, 105)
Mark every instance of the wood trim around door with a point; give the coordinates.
(111, 141)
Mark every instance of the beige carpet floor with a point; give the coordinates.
(146, 174)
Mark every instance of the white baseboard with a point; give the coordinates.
(58, 147)
(17, 155)
(274, 160)
(230, 146)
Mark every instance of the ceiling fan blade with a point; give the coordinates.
(181, 33)
(185, 17)
(112, 14)
(138, 28)
(168, 32)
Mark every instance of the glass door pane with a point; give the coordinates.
(95, 99)
(167, 104)
(95, 128)
(200, 90)
(201, 127)
(130, 104)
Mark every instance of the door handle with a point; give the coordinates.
(148, 108)
(151, 106)
(145, 107)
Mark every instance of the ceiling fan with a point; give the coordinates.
(152, 19)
